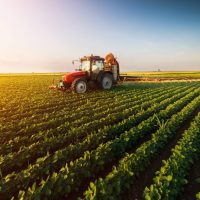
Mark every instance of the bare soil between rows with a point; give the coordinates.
(146, 177)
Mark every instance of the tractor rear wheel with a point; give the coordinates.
(106, 81)
(79, 85)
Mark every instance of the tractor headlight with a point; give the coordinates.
(61, 84)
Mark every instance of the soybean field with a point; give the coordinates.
(136, 141)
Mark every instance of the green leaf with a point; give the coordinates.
(198, 196)
(169, 178)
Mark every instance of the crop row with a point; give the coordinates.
(50, 107)
(32, 96)
(38, 132)
(70, 178)
(18, 159)
(38, 106)
(61, 109)
(44, 165)
(14, 144)
(122, 176)
(30, 105)
(171, 178)
(57, 121)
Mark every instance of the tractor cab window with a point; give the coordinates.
(85, 65)
(97, 66)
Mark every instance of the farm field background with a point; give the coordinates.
(136, 141)
(145, 74)
(164, 76)
(167, 74)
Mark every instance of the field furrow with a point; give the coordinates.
(28, 155)
(135, 141)
(95, 161)
(123, 175)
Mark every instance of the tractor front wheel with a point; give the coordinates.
(79, 85)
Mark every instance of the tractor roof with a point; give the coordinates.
(91, 58)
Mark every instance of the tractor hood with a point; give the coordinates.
(77, 73)
(70, 77)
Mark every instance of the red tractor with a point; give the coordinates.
(93, 71)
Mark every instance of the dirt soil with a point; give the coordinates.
(146, 177)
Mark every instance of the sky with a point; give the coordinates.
(144, 35)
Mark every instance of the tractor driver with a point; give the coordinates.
(97, 66)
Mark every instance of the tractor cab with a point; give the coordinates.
(92, 71)
(92, 65)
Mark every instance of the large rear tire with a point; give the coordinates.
(79, 86)
(106, 81)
